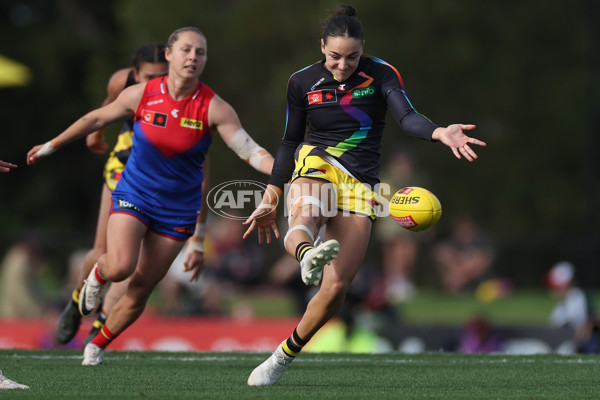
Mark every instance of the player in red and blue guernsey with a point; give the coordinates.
(156, 203)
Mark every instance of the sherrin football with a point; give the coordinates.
(415, 208)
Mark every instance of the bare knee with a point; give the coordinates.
(115, 270)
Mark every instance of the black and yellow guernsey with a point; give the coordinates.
(345, 119)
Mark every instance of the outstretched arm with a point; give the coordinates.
(224, 118)
(95, 140)
(420, 126)
(123, 107)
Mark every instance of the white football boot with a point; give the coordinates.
(92, 355)
(6, 383)
(270, 371)
(90, 296)
(315, 259)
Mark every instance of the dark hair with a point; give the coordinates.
(175, 35)
(149, 53)
(343, 23)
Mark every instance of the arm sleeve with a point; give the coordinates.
(295, 129)
(408, 118)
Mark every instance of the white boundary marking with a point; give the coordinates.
(490, 358)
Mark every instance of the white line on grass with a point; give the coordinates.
(355, 359)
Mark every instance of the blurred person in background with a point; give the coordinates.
(21, 292)
(480, 336)
(466, 259)
(6, 166)
(158, 202)
(572, 308)
(343, 99)
(399, 247)
(148, 63)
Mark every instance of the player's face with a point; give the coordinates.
(150, 70)
(187, 56)
(342, 55)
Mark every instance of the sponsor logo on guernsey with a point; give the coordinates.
(363, 92)
(151, 103)
(126, 205)
(317, 84)
(154, 118)
(191, 123)
(322, 96)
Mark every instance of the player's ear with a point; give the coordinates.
(322, 46)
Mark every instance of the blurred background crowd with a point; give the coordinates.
(518, 239)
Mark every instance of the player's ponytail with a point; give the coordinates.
(343, 23)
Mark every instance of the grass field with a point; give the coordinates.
(57, 374)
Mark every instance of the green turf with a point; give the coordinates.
(58, 374)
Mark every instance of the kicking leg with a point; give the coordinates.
(352, 232)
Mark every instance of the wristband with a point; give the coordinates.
(46, 150)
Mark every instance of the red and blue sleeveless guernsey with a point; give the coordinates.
(164, 174)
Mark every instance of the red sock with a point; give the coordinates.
(101, 280)
(104, 337)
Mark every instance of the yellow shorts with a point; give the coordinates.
(116, 160)
(352, 196)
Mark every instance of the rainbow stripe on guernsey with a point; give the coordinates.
(366, 123)
(380, 61)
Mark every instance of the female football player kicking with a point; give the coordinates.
(343, 100)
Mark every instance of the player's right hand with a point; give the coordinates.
(39, 151)
(263, 220)
(193, 260)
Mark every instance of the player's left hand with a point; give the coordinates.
(454, 137)
(193, 260)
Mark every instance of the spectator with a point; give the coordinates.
(571, 308)
(19, 287)
(479, 336)
(399, 246)
(466, 259)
